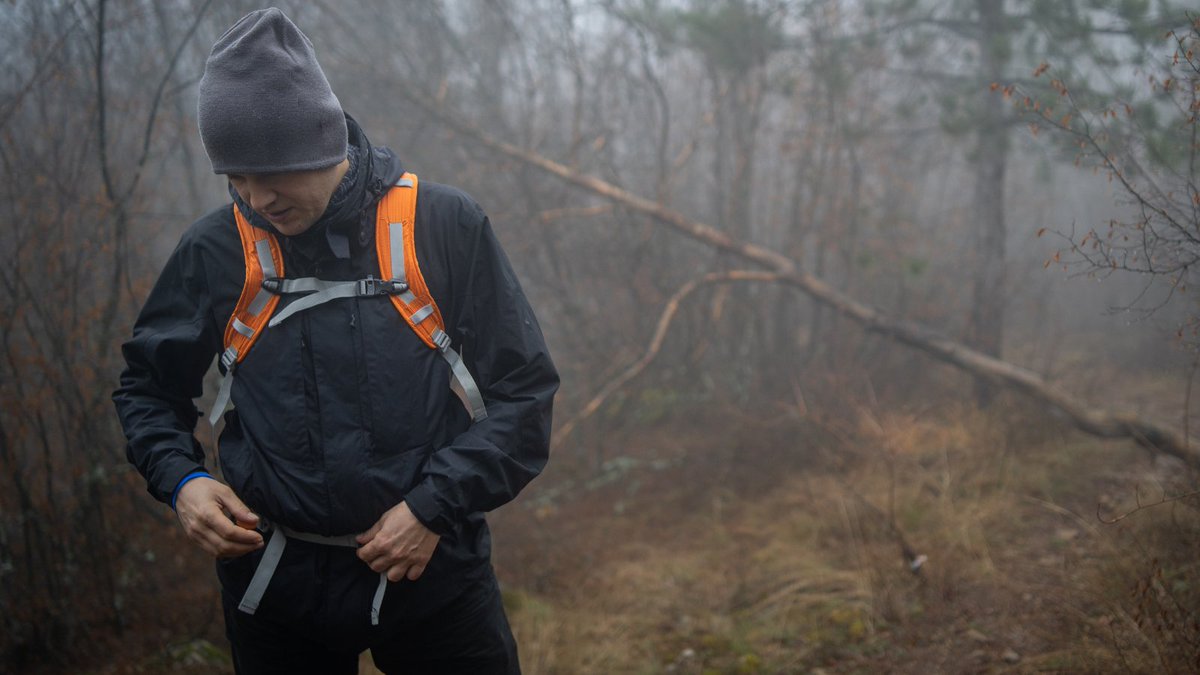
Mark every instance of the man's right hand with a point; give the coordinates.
(214, 517)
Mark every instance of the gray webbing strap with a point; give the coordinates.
(469, 393)
(422, 314)
(260, 302)
(242, 328)
(345, 289)
(396, 246)
(346, 540)
(396, 243)
(274, 552)
(222, 399)
(264, 572)
(262, 248)
(305, 285)
(463, 384)
(377, 601)
(399, 273)
(229, 360)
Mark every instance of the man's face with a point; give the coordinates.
(291, 201)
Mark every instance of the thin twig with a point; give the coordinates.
(152, 118)
(656, 343)
(1141, 507)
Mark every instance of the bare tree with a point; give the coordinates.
(73, 159)
(1148, 144)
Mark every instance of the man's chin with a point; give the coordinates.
(290, 227)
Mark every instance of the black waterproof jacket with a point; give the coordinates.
(340, 412)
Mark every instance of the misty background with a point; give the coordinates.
(1017, 176)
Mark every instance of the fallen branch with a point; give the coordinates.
(656, 343)
(1106, 424)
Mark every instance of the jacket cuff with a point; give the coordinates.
(166, 479)
(184, 481)
(424, 506)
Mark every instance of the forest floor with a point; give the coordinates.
(715, 542)
(748, 546)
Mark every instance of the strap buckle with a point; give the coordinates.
(372, 286)
(229, 358)
(273, 285)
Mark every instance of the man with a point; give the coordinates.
(352, 518)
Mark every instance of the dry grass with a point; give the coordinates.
(729, 544)
(803, 571)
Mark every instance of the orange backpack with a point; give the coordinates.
(400, 280)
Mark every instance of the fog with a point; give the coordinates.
(920, 157)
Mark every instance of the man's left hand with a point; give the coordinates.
(398, 544)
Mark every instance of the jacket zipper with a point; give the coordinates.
(313, 412)
(312, 399)
(365, 413)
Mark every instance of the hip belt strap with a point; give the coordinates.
(273, 553)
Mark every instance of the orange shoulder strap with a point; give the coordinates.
(395, 244)
(264, 260)
(254, 307)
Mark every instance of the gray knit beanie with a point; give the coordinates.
(265, 105)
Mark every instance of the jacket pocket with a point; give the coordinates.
(403, 404)
(274, 396)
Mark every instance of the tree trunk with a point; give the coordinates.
(986, 332)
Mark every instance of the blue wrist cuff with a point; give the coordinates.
(191, 476)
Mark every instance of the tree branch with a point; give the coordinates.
(656, 343)
(1098, 422)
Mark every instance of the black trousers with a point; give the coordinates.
(315, 618)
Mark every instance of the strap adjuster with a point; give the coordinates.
(273, 285)
(372, 286)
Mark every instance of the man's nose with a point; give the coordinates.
(261, 194)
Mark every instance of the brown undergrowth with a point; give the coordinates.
(712, 541)
(725, 544)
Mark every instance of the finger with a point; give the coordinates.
(237, 509)
(415, 572)
(381, 544)
(234, 550)
(367, 536)
(366, 555)
(222, 539)
(219, 547)
(385, 564)
(397, 572)
(222, 528)
(211, 542)
(370, 552)
(236, 535)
